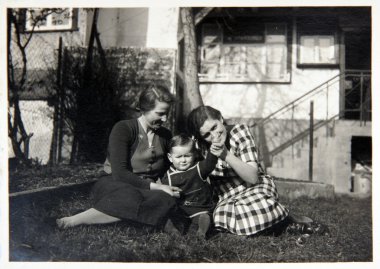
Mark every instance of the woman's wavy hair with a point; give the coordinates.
(197, 118)
(148, 97)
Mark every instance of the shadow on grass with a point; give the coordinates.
(35, 237)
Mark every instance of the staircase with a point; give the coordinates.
(292, 123)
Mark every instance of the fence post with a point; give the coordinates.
(292, 129)
(62, 68)
(311, 140)
(54, 142)
(361, 99)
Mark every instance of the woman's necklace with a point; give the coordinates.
(150, 136)
(149, 132)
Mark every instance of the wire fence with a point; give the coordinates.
(65, 96)
(36, 95)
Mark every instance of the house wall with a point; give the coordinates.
(138, 27)
(247, 102)
(118, 27)
(123, 27)
(331, 155)
(162, 28)
(257, 100)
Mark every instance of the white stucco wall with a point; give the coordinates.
(123, 27)
(162, 28)
(153, 27)
(257, 100)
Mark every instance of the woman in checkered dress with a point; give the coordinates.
(247, 197)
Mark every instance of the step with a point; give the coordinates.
(293, 189)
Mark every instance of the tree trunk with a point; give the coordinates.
(17, 131)
(191, 83)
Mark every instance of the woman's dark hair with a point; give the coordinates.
(182, 140)
(148, 97)
(197, 118)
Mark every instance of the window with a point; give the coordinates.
(50, 19)
(244, 52)
(317, 43)
(318, 49)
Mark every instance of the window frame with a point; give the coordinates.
(262, 48)
(317, 30)
(50, 27)
(317, 51)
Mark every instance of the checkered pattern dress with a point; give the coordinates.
(243, 208)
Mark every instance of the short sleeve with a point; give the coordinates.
(244, 143)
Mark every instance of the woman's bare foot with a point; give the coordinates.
(65, 223)
(88, 217)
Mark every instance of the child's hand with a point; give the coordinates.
(176, 194)
(171, 190)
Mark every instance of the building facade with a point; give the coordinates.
(299, 77)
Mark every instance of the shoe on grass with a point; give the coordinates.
(307, 228)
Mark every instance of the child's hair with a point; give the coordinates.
(182, 140)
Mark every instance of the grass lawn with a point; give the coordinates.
(35, 237)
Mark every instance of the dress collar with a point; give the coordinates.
(144, 124)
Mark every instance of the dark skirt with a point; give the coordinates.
(126, 202)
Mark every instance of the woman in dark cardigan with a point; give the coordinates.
(137, 153)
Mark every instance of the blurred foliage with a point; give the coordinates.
(108, 92)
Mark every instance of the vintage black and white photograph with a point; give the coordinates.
(188, 133)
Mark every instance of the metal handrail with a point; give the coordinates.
(319, 87)
(323, 87)
(293, 102)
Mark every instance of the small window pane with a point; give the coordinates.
(61, 18)
(307, 52)
(211, 53)
(256, 54)
(327, 50)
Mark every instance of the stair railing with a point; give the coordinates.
(280, 131)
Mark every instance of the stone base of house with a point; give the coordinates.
(293, 189)
(333, 156)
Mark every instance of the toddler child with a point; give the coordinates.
(191, 177)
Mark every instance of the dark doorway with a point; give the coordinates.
(358, 86)
(358, 50)
(361, 161)
(361, 150)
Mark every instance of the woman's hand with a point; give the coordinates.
(171, 190)
(247, 171)
(219, 150)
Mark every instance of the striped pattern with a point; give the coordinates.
(245, 209)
